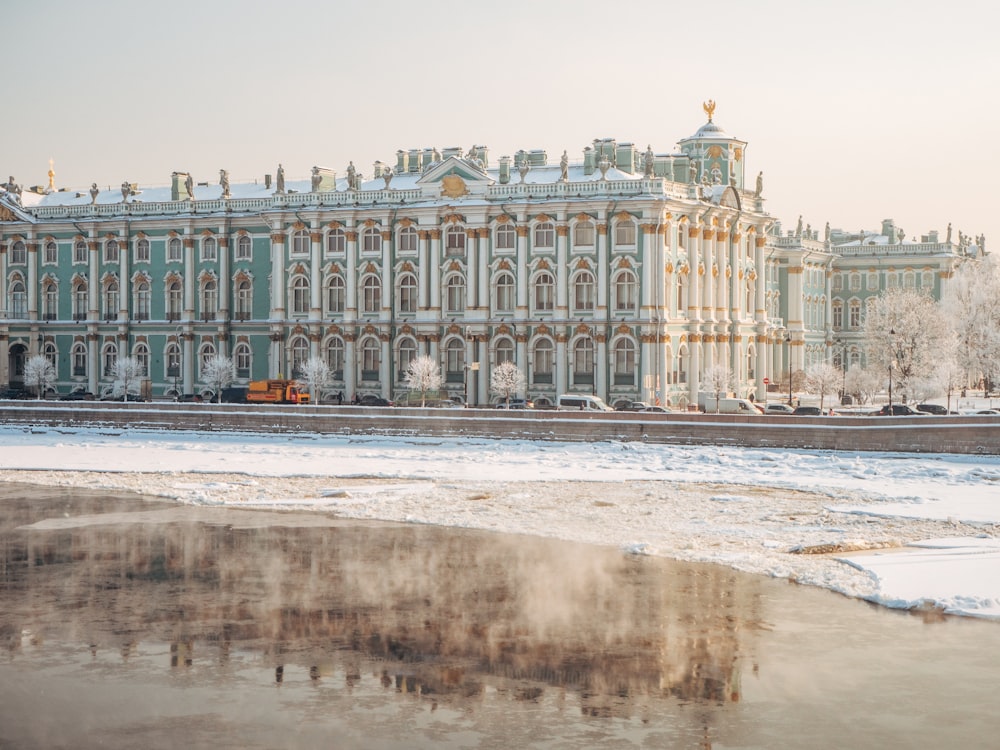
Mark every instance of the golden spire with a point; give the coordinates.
(709, 108)
(52, 176)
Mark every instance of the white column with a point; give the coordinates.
(315, 272)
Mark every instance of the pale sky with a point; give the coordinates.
(855, 111)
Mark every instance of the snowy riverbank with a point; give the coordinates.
(908, 531)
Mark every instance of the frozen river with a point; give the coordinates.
(134, 623)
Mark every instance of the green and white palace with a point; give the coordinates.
(620, 271)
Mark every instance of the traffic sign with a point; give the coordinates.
(766, 381)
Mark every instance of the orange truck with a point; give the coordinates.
(276, 392)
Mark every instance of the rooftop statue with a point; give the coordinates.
(189, 185)
(280, 180)
(224, 181)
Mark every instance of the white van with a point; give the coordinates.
(581, 402)
(730, 406)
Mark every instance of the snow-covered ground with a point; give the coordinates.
(903, 530)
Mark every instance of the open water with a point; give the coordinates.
(133, 623)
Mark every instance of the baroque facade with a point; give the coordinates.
(626, 273)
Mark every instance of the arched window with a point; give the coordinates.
(209, 250)
(141, 355)
(79, 355)
(838, 314)
(110, 357)
(111, 254)
(505, 350)
(505, 293)
(335, 357)
(371, 240)
(335, 295)
(454, 239)
(300, 295)
(626, 292)
(371, 359)
(545, 235)
(175, 300)
(407, 302)
(80, 300)
(854, 311)
(300, 354)
(142, 300)
(682, 304)
(545, 291)
(174, 250)
(624, 358)
(51, 253)
(583, 361)
(244, 299)
(172, 360)
(680, 374)
(209, 299)
(18, 254)
(583, 291)
(371, 294)
(205, 355)
(49, 352)
(506, 237)
(243, 359)
(583, 234)
(407, 353)
(543, 361)
(300, 242)
(336, 242)
(50, 301)
(625, 232)
(244, 247)
(454, 366)
(79, 251)
(110, 299)
(455, 294)
(142, 250)
(408, 240)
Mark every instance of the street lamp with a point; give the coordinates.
(843, 367)
(892, 361)
(788, 340)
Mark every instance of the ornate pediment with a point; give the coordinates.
(454, 178)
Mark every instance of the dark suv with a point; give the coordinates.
(934, 409)
(899, 410)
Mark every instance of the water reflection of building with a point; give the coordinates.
(425, 611)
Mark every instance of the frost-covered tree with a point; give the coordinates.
(507, 381)
(39, 374)
(219, 371)
(127, 375)
(718, 380)
(906, 331)
(863, 383)
(972, 306)
(316, 375)
(423, 375)
(823, 378)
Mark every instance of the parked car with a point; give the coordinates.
(16, 393)
(934, 409)
(807, 411)
(516, 403)
(124, 397)
(989, 412)
(778, 409)
(899, 410)
(77, 396)
(371, 400)
(656, 410)
(631, 406)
